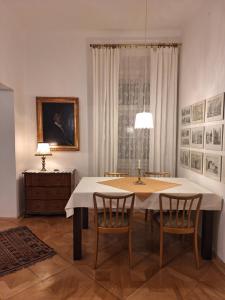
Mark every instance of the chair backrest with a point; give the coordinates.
(183, 211)
(115, 174)
(157, 174)
(115, 211)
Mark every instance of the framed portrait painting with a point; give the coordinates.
(58, 122)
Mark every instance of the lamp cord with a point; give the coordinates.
(146, 21)
(145, 75)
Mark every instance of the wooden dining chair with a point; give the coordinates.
(113, 214)
(115, 174)
(150, 212)
(181, 217)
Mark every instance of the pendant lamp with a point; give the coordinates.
(144, 119)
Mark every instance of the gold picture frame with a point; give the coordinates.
(58, 122)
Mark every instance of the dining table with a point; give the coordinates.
(146, 197)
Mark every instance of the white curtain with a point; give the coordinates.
(105, 109)
(163, 105)
(149, 73)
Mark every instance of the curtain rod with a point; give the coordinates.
(151, 45)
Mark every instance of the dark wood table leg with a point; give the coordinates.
(77, 234)
(207, 234)
(85, 217)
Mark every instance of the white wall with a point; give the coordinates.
(12, 75)
(202, 75)
(8, 203)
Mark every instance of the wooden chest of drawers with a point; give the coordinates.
(47, 192)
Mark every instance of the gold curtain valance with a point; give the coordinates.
(151, 45)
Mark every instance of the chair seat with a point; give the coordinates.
(115, 222)
(172, 223)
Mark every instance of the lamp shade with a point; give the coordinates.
(144, 120)
(43, 149)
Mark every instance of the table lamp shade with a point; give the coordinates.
(144, 120)
(43, 149)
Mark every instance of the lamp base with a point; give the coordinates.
(139, 182)
(43, 164)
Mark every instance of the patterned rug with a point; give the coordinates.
(20, 248)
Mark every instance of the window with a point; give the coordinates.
(134, 92)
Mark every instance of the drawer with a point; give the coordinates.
(47, 193)
(42, 206)
(52, 179)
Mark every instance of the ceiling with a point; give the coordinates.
(102, 14)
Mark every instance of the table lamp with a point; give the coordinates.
(43, 150)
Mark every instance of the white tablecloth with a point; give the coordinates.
(82, 196)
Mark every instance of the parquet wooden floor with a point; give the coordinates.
(62, 278)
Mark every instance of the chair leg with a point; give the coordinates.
(96, 248)
(151, 219)
(130, 248)
(196, 249)
(146, 215)
(150, 212)
(161, 249)
(182, 237)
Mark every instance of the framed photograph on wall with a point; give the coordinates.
(186, 115)
(185, 137)
(58, 122)
(223, 170)
(185, 158)
(197, 137)
(215, 108)
(198, 112)
(196, 159)
(212, 166)
(223, 137)
(214, 137)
